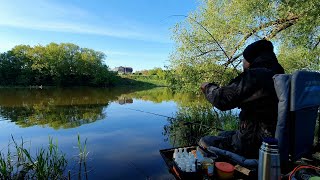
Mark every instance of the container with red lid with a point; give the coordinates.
(224, 170)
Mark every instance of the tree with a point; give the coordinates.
(62, 64)
(210, 41)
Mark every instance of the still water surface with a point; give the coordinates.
(122, 143)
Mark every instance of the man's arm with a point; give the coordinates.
(226, 97)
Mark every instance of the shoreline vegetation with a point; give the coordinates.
(65, 65)
(191, 123)
(19, 162)
(142, 80)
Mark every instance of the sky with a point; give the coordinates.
(133, 33)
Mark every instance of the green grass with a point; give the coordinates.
(47, 163)
(83, 153)
(192, 123)
(18, 163)
(141, 80)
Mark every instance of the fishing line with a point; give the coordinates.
(139, 170)
(172, 118)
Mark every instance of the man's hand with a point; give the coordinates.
(203, 86)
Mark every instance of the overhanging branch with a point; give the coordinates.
(315, 46)
(282, 24)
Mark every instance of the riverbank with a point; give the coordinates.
(142, 80)
(136, 81)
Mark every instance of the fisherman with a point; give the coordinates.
(254, 93)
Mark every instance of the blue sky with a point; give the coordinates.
(132, 33)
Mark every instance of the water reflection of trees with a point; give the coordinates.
(56, 108)
(124, 100)
(53, 116)
(72, 107)
(158, 95)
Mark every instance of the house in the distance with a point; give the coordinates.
(123, 70)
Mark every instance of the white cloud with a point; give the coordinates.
(48, 16)
(72, 28)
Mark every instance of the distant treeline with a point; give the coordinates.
(160, 73)
(64, 64)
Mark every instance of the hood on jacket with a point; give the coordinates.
(267, 60)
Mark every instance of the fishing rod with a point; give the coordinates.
(230, 60)
(172, 118)
(214, 39)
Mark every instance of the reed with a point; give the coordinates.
(18, 162)
(203, 121)
(83, 153)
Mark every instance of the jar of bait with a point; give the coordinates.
(208, 167)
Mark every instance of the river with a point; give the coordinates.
(122, 141)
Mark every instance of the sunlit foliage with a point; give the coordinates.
(64, 64)
(210, 41)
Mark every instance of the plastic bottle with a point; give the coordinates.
(199, 155)
(185, 152)
(175, 154)
(191, 159)
(193, 167)
(177, 161)
(188, 167)
(180, 152)
(182, 165)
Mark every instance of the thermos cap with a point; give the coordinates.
(271, 141)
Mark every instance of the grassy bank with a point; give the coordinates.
(142, 80)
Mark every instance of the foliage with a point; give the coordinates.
(189, 77)
(64, 64)
(153, 77)
(158, 72)
(48, 163)
(83, 154)
(192, 123)
(142, 80)
(210, 41)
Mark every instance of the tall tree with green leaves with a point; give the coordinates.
(210, 41)
(64, 64)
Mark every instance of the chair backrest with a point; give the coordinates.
(299, 100)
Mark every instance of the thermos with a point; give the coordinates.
(269, 160)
